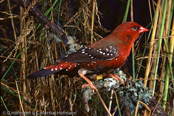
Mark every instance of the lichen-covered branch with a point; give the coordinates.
(129, 95)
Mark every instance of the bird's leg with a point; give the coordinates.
(82, 72)
(116, 77)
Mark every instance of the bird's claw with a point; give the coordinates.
(90, 85)
(116, 77)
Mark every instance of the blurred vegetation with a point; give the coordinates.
(26, 46)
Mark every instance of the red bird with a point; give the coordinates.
(102, 56)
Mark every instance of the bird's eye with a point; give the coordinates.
(135, 28)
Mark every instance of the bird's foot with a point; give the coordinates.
(128, 80)
(82, 73)
(85, 86)
(116, 77)
(91, 86)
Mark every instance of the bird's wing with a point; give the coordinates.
(88, 54)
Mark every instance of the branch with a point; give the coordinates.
(129, 95)
(50, 26)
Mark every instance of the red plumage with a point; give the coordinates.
(102, 56)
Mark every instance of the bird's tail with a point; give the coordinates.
(41, 73)
(55, 68)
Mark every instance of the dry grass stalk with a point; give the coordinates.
(151, 45)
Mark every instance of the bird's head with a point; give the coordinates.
(128, 32)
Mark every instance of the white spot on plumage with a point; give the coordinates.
(97, 50)
(89, 54)
(56, 68)
(103, 53)
(107, 49)
(110, 50)
(108, 54)
(92, 57)
(83, 52)
(111, 54)
(100, 49)
(116, 59)
(87, 64)
(52, 69)
(66, 69)
(110, 47)
(60, 68)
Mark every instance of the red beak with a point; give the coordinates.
(142, 29)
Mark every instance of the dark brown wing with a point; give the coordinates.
(87, 54)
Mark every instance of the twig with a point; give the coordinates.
(136, 111)
(92, 22)
(20, 98)
(110, 102)
(103, 103)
